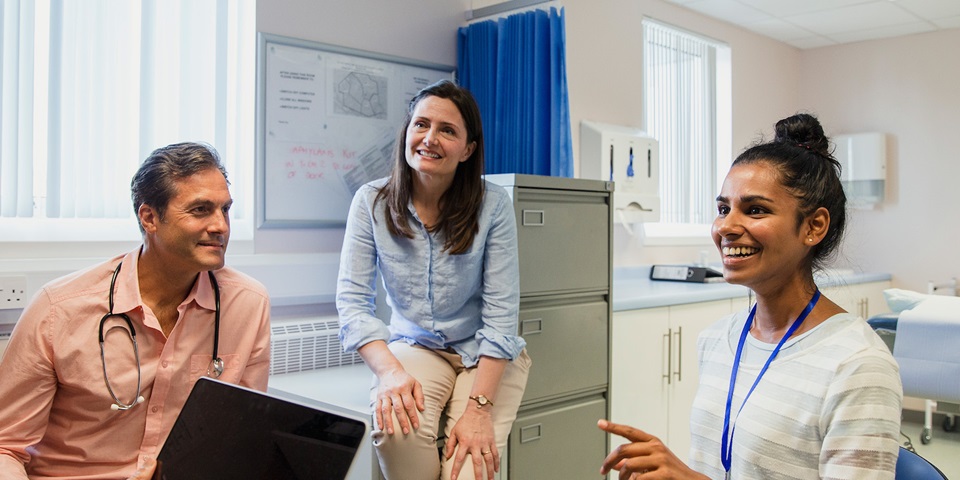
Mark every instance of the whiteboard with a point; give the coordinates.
(327, 122)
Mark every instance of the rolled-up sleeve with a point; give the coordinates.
(356, 289)
(501, 284)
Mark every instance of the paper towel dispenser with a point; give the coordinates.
(863, 164)
(630, 159)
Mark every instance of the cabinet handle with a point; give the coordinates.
(532, 218)
(531, 326)
(679, 371)
(668, 339)
(530, 433)
(866, 308)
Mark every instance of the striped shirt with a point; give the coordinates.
(827, 407)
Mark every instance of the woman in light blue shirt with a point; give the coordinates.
(445, 244)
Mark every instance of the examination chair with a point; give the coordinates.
(934, 328)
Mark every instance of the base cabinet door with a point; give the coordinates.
(654, 368)
(558, 441)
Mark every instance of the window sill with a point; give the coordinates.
(32, 238)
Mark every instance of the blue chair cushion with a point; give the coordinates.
(911, 466)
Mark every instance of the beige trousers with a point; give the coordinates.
(446, 387)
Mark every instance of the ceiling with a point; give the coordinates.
(819, 23)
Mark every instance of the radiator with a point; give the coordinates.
(307, 344)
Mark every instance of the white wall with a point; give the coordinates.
(908, 87)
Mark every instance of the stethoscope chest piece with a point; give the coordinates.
(216, 368)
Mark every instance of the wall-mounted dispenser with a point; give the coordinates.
(630, 159)
(863, 163)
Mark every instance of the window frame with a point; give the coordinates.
(667, 232)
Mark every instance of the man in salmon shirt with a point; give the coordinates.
(101, 361)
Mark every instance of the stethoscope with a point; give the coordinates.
(216, 364)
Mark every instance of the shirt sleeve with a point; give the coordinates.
(356, 281)
(501, 287)
(257, 371)
(28, 387)
(861, 419)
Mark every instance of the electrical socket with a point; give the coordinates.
(13, 291)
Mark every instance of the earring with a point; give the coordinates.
(809, 239)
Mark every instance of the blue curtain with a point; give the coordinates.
(516, 68)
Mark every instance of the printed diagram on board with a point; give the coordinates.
(360, 94)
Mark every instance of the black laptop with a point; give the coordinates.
(230, 432)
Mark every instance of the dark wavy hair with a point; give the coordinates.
(155, 182)
(460, 204)
(801, 154)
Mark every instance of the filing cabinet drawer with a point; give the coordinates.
(567, 341)
(560, 441)
(564, 241)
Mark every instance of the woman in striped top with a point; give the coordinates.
(794, 387)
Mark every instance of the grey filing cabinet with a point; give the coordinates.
(564, 235)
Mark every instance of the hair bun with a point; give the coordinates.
(803, 130)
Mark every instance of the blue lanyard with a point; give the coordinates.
(726, 443)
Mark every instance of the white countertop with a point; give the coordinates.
(346, 387)
(633, 289)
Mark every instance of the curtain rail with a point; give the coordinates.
(510, 6)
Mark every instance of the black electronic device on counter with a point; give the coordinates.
(685, 273)
(228, 431)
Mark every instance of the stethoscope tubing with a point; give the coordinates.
(216, 364)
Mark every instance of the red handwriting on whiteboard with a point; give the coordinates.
(305, 162)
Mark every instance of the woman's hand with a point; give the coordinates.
(473, 434)
(397, 390)
(400, 392)
(645, 457)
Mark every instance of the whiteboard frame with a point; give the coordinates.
(263, 40)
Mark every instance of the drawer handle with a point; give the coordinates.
(668, 342)
(679, 372)
(533, 218)
(531, 326)
(530, 433)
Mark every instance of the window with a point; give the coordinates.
(686, 86)
(88, 89)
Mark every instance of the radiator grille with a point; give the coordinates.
(307, 344)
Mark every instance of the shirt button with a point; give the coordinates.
(155, 409)
(164, 364)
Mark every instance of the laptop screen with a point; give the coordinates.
(228, 431)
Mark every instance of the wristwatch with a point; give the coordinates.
(481, 401)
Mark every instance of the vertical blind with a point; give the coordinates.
(680, 105)
(516, 69)
(88, 89)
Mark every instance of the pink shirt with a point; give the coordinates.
(55, 415)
